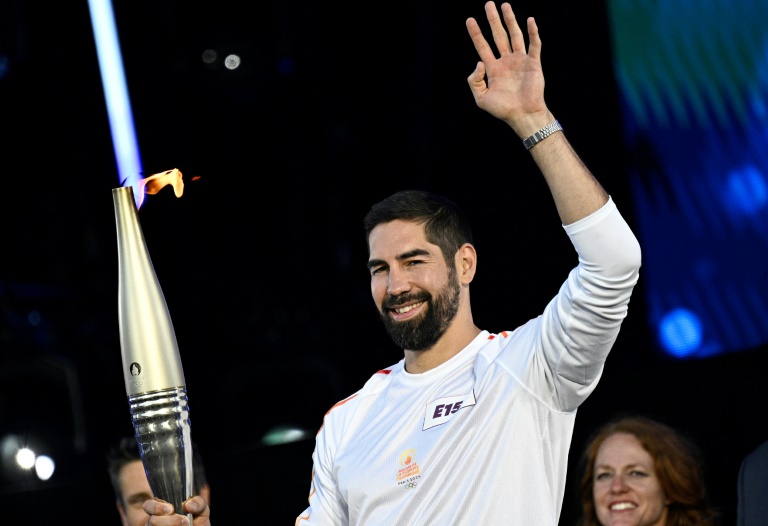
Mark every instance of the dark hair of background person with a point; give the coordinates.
(677, 462)
(126, 450)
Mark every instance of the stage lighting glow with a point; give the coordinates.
(25, 458)
(695, 124)
(232, 62)
(747, 191)
(34, 318)
(116, 92)
(210, 56)
(283, 435)
(680, 332)
(44, 467)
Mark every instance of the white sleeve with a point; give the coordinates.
(559, 355)
(325, 508)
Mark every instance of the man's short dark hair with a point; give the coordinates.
(445, 223)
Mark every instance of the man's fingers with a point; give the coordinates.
(198, 507)
(476, 81)
(157, 507)
(196, 504)
(534, 48)
(477, 78)
(500, 37)
(515, 33)
(481, 46)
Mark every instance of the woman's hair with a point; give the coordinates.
(677, 463)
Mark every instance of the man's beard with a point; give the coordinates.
(422, 332)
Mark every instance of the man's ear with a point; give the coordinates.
(466, 263)
(205, 492)
(121, 511)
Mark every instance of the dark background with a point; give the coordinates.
(262, 260)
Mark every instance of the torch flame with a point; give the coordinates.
(155, 182)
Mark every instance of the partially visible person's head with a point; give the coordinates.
(130, 484)
(640, 472)
(412, 228)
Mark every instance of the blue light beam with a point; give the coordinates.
(116, 93)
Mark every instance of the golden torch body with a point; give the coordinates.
(152, 370)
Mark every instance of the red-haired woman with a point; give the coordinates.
(640, 472)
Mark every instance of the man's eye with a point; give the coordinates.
(138, 501)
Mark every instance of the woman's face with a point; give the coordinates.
(626, 491)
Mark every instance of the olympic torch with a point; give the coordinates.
(152, 370)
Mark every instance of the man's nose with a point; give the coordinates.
(397, 282)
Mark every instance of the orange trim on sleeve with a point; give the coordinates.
(337, 404)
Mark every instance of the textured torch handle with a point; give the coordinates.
(161, 423)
